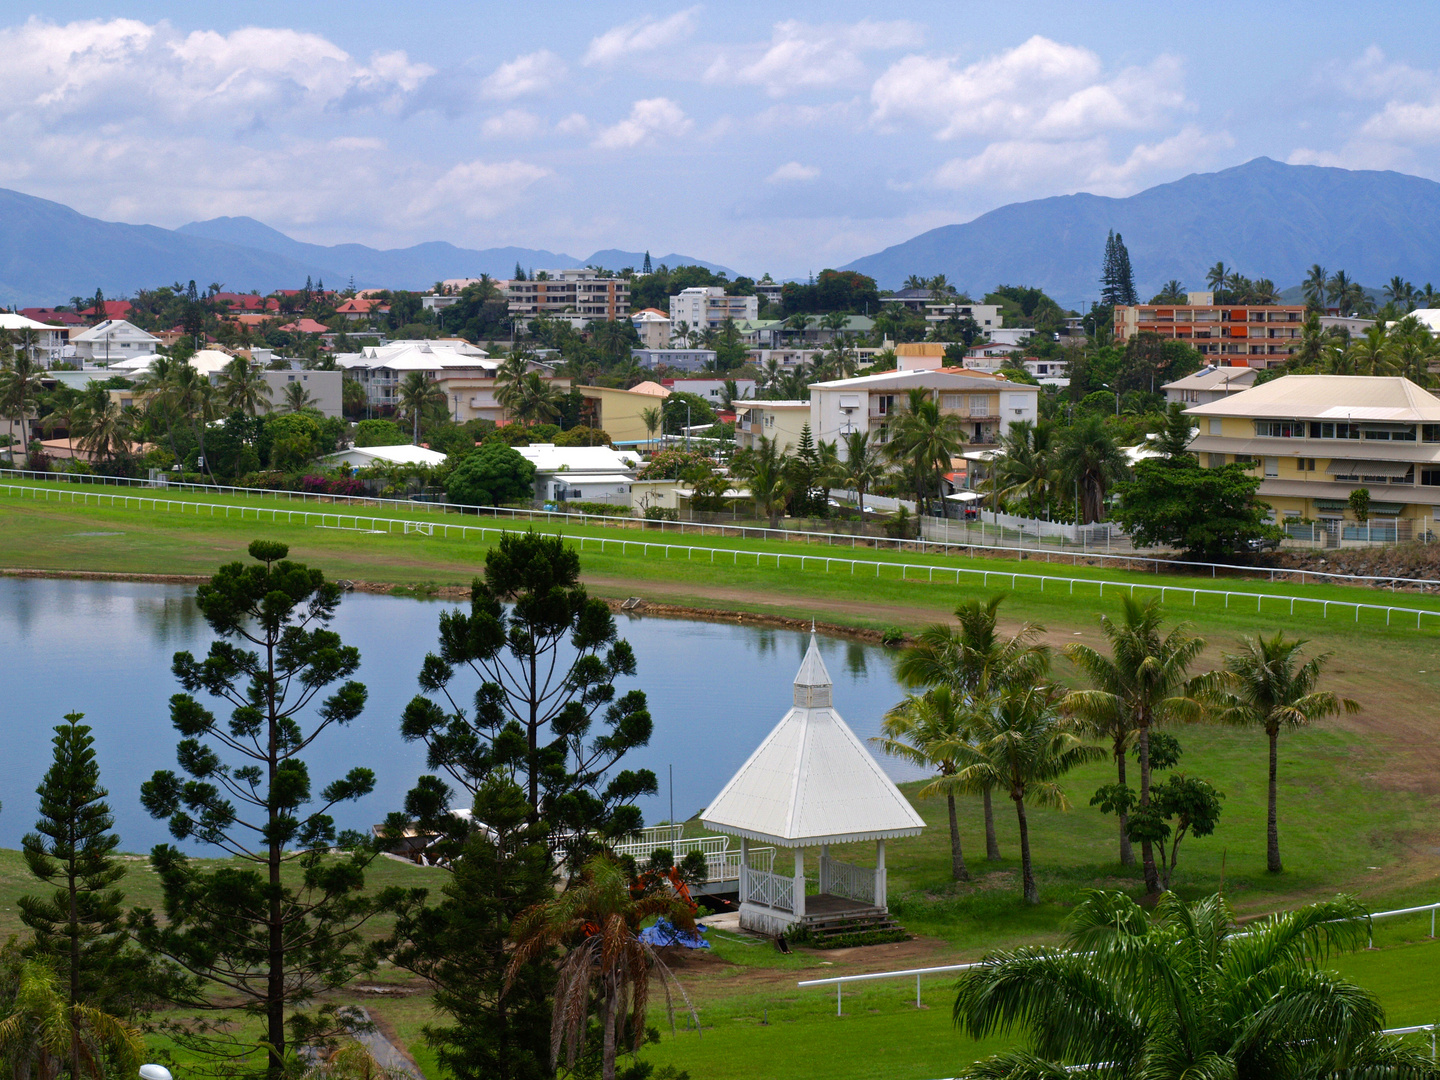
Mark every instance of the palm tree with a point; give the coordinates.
(19, 394)
(924, 730)
(1372, 354)
(416, 394)
(1089, 460)
(1026, 465)
(1316, 282)
(763, 468)
(1022, 747)
(67, 407)
(835, 322)
(105, 427)
(801, 322)
(977, 664)
(863, 467)
(1142, 683)
(1268, 686)
(353, 397)
(927, 440)
(914, 281)
(771, 375)
(1185, 995)
(651, 419)
(1172, 292)
(193, 399)
(508, 376)
(297, 398)
(245, 389)
(44, 1032)
(1338, 289)
(598, 920)
(1401, 293)
(540, 400)
(1263, 291)
(1217, 276)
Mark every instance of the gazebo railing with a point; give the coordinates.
(844, 879)
(771, 890)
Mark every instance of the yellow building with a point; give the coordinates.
(619, 412)
(779, 421)
(1316, 438)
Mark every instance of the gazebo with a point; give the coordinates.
(811, 783)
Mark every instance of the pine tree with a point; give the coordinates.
(1124, 275)
(78, 926)
(519, 272)
(645, 267)
(1109, 273)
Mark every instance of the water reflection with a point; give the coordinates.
(105, 648)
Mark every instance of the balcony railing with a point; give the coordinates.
(771, 890)
(843, 879)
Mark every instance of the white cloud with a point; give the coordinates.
(800, 56)
(477, 189)
(792, 171)
(525, 75)
(647, 119)
(574, 124)
(513, 124)
(128, 68)
(1041, 88)
(641, 36)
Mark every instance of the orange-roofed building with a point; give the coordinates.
(113, 309)
(305, 326)
(359, 308)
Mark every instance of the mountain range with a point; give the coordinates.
(49, 253)
(1264, 219)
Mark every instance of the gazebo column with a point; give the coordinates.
(744, 870)
(880, 873)
(799, 882)
(824, 869)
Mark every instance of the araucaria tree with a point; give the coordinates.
(1117, 278)
(280, 920)
(78, 926)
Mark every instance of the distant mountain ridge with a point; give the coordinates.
(50, 252)
(1264, 219)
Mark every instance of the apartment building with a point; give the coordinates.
(986, 316)
(577, 296)
(1260, 336)
(779, 421)
(1209, 384)
(986, 405)
(653, 327)
(464, 374)
(1316, 438)
(707, 307)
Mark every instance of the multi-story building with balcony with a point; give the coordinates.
(1316, 438)
(779, 421)
(1238, 334)
(464, 374)
(576, 296)
(706, 307)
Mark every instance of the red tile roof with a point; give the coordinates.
(304, 326)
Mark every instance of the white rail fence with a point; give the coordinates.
(802, 561)
(843, 879)
(772, 890)
(722, 863)
(707, 529)
(839, 981)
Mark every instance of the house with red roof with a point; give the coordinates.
(354, 310)
(53, 317)
(113, 309)
(305, 326)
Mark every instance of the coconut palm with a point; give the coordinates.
(863, 467)
(926, 440)
(597, 920)
(296, 398)
(1372, 354)
(67, 407)
(1183, 996)
(105, 428)
(651, 419)
(1271, 686)
(19, 394)
(763, 468)
(44, 1033)
(1316, 282)
(508, 376)
(1026, 466)
(1401, 293)
(243, 388)
(193, 398)
(417, 394)
(1217, 277)
(1022, 747)
(977, 663)
(925, 730)
(1338, 289)
(1144, 682)
(800, 322)
(1089, 460)
(539, 401)
(771, 375)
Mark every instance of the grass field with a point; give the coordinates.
(1358, 798)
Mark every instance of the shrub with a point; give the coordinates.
(597, 508)
(494, 474)
(380, 433)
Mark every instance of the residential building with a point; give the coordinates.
(578, 296)
(360, 457)
(710, 389)
(305, 326)
(49, 339)
(680, 359)
(1316, 438)
(1210, 383)
(707, 307)
(986, 316)
(779, 421)
(52, 317)
(581, 473)
(769, 291)
(464, 374)
(779, 333)
(113, 339)
(1049, 372)
(1261, 336)
(620, 413)
(653, 327)
(438, 301)
(987, 405)
(358, 308)
(326, 388)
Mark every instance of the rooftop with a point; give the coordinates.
(1215, 378)
(1329, 397)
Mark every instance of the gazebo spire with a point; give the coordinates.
(813, 685)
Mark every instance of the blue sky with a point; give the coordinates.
(769, 137)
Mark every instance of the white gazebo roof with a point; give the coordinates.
(812, 781)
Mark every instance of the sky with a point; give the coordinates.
(779, 138)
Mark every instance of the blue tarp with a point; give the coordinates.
(664, 933)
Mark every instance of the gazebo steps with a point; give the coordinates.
(822, 928)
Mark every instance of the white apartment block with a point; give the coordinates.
(986, 405)
(986, 316)
(577, 296)
(707, 307)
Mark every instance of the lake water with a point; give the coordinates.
(104, 649)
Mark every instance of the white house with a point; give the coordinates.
(653, 326)
(581, 473)
(706, 307)
(113, 339)
(359, 457)
(49, 340)
(1209, 384)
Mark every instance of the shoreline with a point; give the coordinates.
(462, 592)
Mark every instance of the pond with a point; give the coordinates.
(105, 648)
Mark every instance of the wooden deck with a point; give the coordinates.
(825, 906)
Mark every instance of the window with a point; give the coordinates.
(1215, 427)
(1430, 432)
(1216, 460)
(1328, 430)
(1244, 459)
(950, 401)
(1393, 433)
(1305, 464)
(1280, 429)
(1272, 466)
(1430, 477)
(979, 405)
